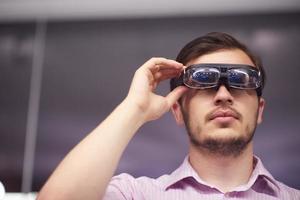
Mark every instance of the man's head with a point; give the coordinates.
(212, 42)
(219, 120)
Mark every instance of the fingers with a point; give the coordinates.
(173, 96)
(164, 74)
(155, 70)
(159, 69)
(157, 64)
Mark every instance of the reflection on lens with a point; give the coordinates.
(203, 76)
(206, 75)
(243, 78)
(238, 77)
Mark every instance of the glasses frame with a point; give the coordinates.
(223, 75)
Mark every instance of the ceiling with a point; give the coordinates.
(18, 10)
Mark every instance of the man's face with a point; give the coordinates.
(221, 120)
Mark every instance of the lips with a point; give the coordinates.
(223, 114)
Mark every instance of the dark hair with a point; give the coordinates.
(212, 42)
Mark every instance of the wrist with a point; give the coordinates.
(133, 112)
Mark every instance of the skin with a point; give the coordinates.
(100, 151)
(196, 110)
(86, 171)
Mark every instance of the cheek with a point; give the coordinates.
(199, 107)
(250, 111)
(195, 115)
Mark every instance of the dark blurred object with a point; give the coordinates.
(16, 47)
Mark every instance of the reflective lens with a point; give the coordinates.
(243, 78)
(201, 76)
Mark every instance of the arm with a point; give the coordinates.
(86, 171)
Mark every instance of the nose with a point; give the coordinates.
(223, 96)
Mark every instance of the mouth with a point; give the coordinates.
(224, 116)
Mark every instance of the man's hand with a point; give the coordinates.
(86, 171)
(144, 83)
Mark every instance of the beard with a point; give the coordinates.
(229, 146)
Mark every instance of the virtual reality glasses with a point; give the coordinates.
(204, 76)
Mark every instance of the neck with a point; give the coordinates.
(223, 172)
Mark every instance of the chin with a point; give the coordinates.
(223, 143)
(224, 133)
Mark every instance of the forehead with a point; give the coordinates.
(228, 56)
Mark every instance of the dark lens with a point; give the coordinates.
(243, 78)
(238, 77)
(201, 77)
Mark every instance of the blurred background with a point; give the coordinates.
(65, 65)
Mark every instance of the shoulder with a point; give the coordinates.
(125, 186)
(127, 180)
(284, 191)
(287, 192)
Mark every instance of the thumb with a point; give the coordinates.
(173, 96)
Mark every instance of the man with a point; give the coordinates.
(216, 93)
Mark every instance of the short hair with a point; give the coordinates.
(212, 42)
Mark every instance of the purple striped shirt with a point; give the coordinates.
(184, 183)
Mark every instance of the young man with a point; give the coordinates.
(216, 92)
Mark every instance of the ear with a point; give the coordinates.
(261, 106)
(177, 113)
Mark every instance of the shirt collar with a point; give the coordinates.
(184, 171)
(260, 175)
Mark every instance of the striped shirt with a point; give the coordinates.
(184, 183)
